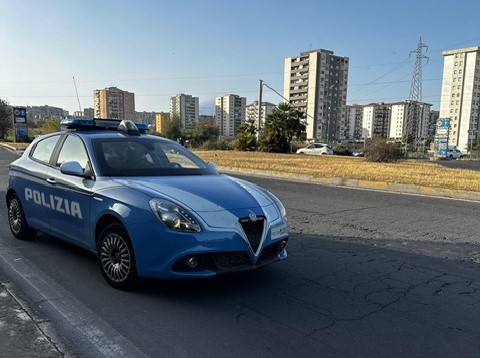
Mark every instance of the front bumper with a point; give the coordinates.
(174, 255)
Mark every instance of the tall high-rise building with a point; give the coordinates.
(461, 95)
(229, 113)
(114, 103)
(316, 83)
(252, 111)
(185, 107)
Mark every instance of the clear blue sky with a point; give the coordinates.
(209, 48)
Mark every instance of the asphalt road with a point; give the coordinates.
(461, 164)
(369, 274)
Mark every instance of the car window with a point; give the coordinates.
(44, 148)
(140, 156)
(73, 150)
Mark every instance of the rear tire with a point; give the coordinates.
(17, 221)
(116, 257)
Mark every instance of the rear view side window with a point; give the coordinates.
(44, 149)
(73, 150)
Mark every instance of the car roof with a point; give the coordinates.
(104, 128)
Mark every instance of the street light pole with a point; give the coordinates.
(260, 93)
(329, 115)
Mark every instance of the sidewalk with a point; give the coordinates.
(21, 334)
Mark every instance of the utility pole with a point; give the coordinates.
(260, 93)
(329, 113)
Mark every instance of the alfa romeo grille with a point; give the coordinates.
(225, 260)
(253, 230)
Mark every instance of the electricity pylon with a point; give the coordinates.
(415, 98)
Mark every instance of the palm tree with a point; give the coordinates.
(285, 123)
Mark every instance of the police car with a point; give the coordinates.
(145, 205)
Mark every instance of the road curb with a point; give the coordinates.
(360, 184)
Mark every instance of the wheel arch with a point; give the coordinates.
(103, 222)
(9, 194)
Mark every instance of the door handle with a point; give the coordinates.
(51, 181)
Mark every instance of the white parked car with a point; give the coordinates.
(316, 149)
(454, 154)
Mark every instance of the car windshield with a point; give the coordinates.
(140, 156)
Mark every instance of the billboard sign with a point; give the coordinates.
(20, 124)
(441, 137)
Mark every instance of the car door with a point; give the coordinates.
(29, 180)
(72, 195)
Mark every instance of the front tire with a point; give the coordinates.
(17, 221)
(116, 257)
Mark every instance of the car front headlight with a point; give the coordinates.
(279, 204)
(174, 216)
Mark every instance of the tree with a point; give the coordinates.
(201, 132)
(173, 128)
(247, 136)
(281, 127)
(5, 118)
(51, 125)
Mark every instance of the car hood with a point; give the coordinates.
(201, 193)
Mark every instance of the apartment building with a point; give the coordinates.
(185, 107)
(418, 127)
(230, 113)
(40, 113)
(265, 109)
(88, 113)
(354, 121)
(316, 83)
(114, 103)
(161, 120)
(461, 95)
(376, 120)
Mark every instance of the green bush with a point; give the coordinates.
(245, 142)
(380, 150)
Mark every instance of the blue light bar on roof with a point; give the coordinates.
(97, 124)
(72, 123)
(142, 126)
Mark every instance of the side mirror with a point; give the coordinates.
(212, 167)
(72, 168)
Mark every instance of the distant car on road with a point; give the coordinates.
(316, 149)
(145, 205)
(454, 154)
(358, 153)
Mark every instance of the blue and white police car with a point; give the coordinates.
(145, 205)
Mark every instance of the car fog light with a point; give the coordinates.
(283, 244)
(192, 262)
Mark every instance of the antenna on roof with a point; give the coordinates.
(76, 91)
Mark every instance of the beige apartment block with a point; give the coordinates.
(114, 103)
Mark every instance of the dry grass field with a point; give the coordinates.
(18, 146)
(428, 174)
